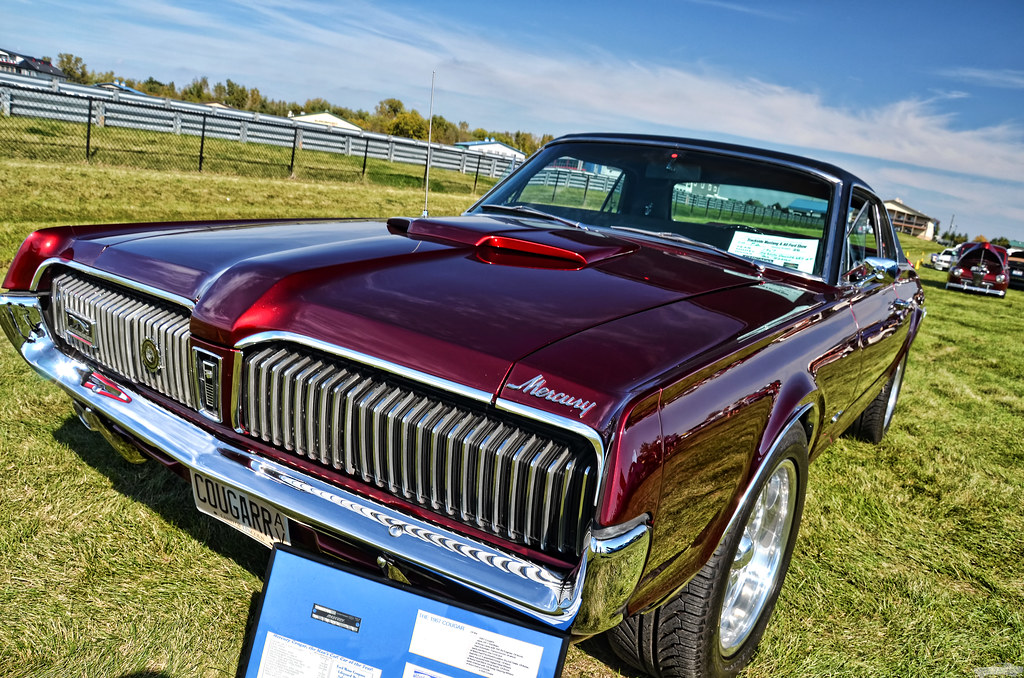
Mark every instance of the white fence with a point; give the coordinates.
(31, 97)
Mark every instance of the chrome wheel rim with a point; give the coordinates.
(757, 563)
(894, 394)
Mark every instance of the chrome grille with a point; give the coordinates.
(110, 325)
(456, 459)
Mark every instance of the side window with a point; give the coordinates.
(868, 234)
(860, 238)
(888, 245)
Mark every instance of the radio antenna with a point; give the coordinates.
(430, 138)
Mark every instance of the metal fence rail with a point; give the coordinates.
(50, 121)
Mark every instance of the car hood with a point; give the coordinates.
(465, 299)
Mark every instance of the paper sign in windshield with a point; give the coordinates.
(797, 253)
(473, 649)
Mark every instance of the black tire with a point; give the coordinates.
(686, 637)
(874, 421)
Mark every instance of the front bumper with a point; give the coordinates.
(967, 287)
(587, 600)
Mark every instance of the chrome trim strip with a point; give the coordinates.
(974, 288)
(356, 356)
(110, 277)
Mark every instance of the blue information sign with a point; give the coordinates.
(317, 619)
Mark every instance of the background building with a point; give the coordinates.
(492, 146)
(910, 221)
(325, 118)
(21, 64)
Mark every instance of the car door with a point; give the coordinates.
(877, 280)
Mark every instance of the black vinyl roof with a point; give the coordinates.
(683, 142)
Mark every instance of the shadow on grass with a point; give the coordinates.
(164, 492)
(147, 674)
(598, 648)
(933, 284)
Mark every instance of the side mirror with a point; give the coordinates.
(881, 270)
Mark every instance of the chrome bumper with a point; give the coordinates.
(588, 600)
(975, 288)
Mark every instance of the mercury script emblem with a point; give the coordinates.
(535, 387)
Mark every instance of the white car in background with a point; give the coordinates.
(941, 261)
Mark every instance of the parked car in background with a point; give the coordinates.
(944, 259)
(593, 396)
(982, 267)
(1015, 260)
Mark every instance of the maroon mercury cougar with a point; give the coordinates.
(588, 403)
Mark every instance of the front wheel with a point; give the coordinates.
(712, 627)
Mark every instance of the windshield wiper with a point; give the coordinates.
(697, 244)
(522, 210)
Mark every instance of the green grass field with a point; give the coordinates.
(910, 561)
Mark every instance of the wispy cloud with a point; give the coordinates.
(741, 8)
(1003, 78)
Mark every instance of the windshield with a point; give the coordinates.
(758, 210)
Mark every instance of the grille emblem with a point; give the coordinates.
(150, 355)
(207, 382)
(79, 327)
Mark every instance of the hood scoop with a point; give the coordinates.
(505, 241)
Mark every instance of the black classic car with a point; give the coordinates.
(589, 402)
(1015, 261)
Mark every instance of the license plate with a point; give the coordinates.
(1017, 273)
(254, 517)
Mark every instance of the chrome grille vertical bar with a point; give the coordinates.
(339, 417)
(317, 373)
(424, 451)
(290, 401)
(555, 468)
(395, 442)
(378, 439)
(410, 451)
(354, 453)
(486, 459)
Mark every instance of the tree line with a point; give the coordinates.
(950, 237)
(390, 116)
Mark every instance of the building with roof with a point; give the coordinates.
(492, 146)
(908, 220)
(327, 118)
(119, 86)
(22, 64)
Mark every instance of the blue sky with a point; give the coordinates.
(922, 99)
